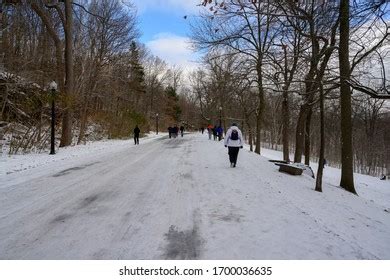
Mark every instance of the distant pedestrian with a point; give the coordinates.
(170, 129)
(233, 141)
(182, 130)
(202, 129)
(210, 130)
(136, 135)
(215, 133)
(219, 132)
(175, 131)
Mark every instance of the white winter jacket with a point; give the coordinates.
(233, 143)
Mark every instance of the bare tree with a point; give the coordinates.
(156, 74)
(244, 28)
(285, 57)
(108, 31)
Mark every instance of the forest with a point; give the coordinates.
(307, 77)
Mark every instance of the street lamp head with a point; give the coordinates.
(220, 108)
(156, 114)
(53, 86)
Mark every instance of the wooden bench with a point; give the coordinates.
(277, 161)
(290, 169)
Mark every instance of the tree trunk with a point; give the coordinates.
(345, 102)
(258, 131)
(387, 152)
(261, 106)
(322, 143)
(40, 122)
(299, 134)
(66, 137)
(286, 126)
(307, 136)
(250, 135)
(5, 101)
(83, 124)
(250, 139)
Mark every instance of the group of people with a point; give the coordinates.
(233, 139)
(215, 131)
(173, 131)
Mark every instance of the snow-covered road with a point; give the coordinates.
(179, 199)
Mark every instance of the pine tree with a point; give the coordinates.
(137, 76)
(173, 109)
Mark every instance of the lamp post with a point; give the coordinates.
(220, 116)
(156, 123)
(53, 89)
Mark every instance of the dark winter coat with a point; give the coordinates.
(136, 131)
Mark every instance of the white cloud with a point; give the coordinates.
(174, 49)
(178, 6)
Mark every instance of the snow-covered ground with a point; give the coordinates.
(179, 199)
(27, 162)
(368, 187)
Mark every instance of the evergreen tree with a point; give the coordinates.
(172, 109)
(137, 76)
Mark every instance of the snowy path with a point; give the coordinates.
(178, 199)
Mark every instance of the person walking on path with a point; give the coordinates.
(175, 131)
(215, 133)
(210, 130)
(233, 141)
(136, 135)
(219, 132)
(182, 130)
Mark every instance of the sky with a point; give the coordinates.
(165, 31)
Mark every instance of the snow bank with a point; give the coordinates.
(370, 187)
(16, 163)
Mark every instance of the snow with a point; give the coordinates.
(179, 199)
(17, 79)
(25, 162)
(366, 186)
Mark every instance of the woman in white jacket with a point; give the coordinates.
(233, 141)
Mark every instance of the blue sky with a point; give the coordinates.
(165, 31)
(155, 22)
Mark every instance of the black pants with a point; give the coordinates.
(233, 154)
(136, 139)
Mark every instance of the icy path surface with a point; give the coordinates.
(179, 199)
